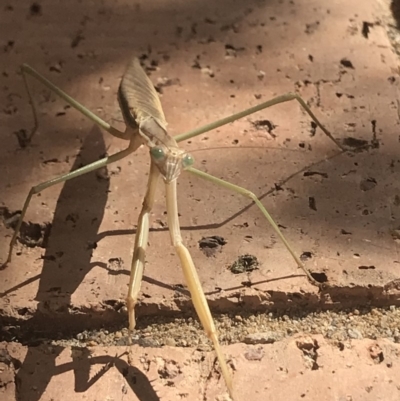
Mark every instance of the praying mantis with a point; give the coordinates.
(146, 125)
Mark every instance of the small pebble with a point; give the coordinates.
(262, 338)
(354, 334)
(170, 342)
(254, 354)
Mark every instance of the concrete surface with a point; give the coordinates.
(296, 369)
(337, 56)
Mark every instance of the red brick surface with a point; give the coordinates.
(336, 55)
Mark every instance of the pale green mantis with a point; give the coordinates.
(146, 125)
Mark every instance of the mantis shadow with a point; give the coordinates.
(77, 218)
(82, 364)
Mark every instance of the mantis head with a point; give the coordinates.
(164, 151)
(170, 161)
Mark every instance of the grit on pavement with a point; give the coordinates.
(62, 298)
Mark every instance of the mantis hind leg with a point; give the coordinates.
(264, 211)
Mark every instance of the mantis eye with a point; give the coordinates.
(187, 161)
(157, 153)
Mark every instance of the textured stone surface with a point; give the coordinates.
(209, 60)
(299, 368)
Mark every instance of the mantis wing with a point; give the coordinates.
(141, 106)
